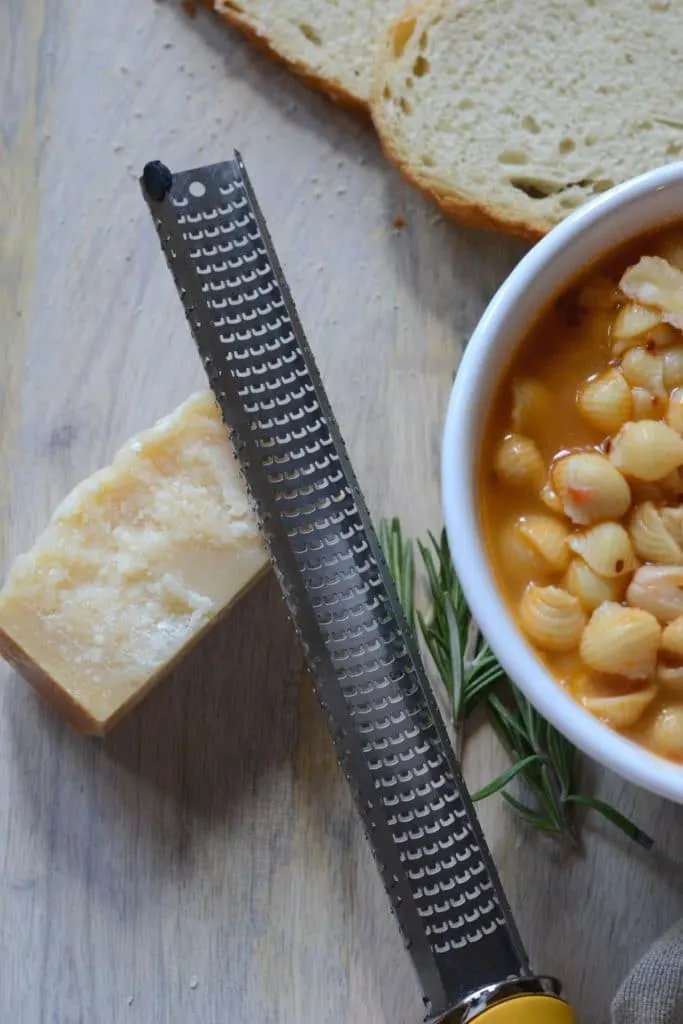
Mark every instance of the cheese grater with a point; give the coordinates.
(390, 740)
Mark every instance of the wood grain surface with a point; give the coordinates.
(204, 864)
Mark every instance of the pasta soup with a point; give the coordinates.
(581, 490)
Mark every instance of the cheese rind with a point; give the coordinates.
(135, 565)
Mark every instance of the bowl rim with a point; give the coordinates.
(458, 460)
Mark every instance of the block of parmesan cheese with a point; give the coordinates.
(135, 565)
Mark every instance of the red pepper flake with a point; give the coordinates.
(650, 346)
(619, 565)
(608, 445)
(580, 494)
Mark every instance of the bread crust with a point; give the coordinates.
(460, 207)
(456, 205)
(333, 89)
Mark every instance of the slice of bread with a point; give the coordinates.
(331, 44)
(511, 114)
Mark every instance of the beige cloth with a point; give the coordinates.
(653, 991)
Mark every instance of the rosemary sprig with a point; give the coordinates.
(551, 776)
(401, 562)
(459, 650)
(542, 760)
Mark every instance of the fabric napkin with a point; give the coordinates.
(653, 991)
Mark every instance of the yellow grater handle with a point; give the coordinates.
(528, 1009)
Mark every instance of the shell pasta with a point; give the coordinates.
(581, 491)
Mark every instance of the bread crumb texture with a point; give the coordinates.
(512, 115)
(333, 43)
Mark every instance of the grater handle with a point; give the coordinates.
(528, 1009)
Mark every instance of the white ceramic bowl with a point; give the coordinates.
(623, 213)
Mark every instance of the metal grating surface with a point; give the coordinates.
(390, 740)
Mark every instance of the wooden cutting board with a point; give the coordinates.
(204, 865)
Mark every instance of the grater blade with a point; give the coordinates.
(391, 742)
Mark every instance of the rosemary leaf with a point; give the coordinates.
(618, 819)
(529, 815)
(503, 779)
(408, 590)
(456, 663)
(401, 561)
(503, 720)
